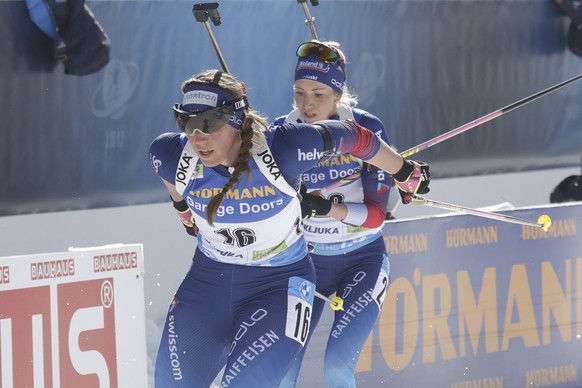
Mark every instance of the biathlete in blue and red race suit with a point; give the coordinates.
(344, 202)
(246, 302)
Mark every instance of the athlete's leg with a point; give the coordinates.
(271, 324)
(363, 291)
(195, 337)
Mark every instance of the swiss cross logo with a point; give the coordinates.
(58, 336)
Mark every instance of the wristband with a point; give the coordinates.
(184, 212)
(357, 214)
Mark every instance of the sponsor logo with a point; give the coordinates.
(80, 314)
(351, 313)
(463, 237)
(407, 243)
(156, 163)
(309, 155)
(489, 381)
(254, 347)
(4, 274)
(173, 350)
(239, 105)
(114, 261)
(200, 97)
(313, 177)
(236, 120)
(547, 377)
(560, 228)
(320, 230)
(305, 290)
(182, 171)
(337, 83)
(253, 350)
(340, 160)
(260, 255)
(113, 94)
(314, 65)
(244, 327)
(269, 162)
(237, 194)
(52, 269)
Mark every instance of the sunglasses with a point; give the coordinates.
(323, 53)
(208, 120)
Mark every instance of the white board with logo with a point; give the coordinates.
(73, 319)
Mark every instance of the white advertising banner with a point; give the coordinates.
(73, 319)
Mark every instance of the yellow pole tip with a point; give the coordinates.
(545, 221)
(338, 303)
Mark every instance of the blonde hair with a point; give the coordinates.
(254, 124)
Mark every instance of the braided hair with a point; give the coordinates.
(254, 124)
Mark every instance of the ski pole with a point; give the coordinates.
(310, 21)
(543, 221)
(336, 302)
(202, 12)
(464, 127)
(486, 118)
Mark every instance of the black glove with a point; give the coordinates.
(80, 42)
(313, 205)
(186, 217)
(411, 179)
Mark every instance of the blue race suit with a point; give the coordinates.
(246, 302)
(350, 257)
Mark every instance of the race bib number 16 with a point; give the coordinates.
(299, 307)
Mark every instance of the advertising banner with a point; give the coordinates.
(73, 319)
(476, 302)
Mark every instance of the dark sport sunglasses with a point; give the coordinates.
(209, 120)
(323, 53)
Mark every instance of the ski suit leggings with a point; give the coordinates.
(360, 278)
(253, 319)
